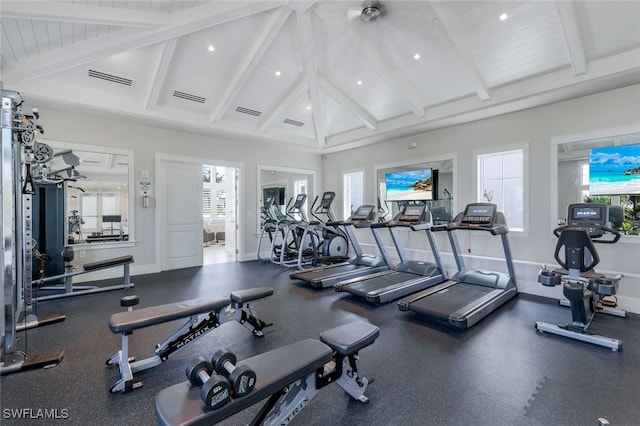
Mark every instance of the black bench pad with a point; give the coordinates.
(181, 404)
(350, 338)
(242, 296)
(107, 263)
(126, 321)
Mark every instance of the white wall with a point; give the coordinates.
(536, 126)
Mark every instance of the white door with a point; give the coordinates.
(181, 231)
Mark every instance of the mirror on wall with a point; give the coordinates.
(603, 169)
(94, 184)
(283, 184)
(428, 182)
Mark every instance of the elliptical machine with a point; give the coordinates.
(584, 288)
(333, 247)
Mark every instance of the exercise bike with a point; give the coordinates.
(587, 291)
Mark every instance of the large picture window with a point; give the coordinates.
(501, 180)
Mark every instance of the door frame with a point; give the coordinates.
(161, 193)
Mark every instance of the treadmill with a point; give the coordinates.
(360, 264)
(408, 276)
(471, 294)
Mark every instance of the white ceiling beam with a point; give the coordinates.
(311, 70)
(160, 73)
(480, 87)
(298, 88)
(185, 22)
(82, 14)
(331, 90)
(569, 24)
(259, 48)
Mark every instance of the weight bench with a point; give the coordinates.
(68, 289)
(289, 377)
(216, 310)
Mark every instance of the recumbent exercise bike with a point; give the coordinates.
(585, 289)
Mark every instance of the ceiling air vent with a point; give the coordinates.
(110, 77)
(248, 111)
(293, 122)
(189, 97)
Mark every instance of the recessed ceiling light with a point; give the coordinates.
(211, 48)
(503, 16)
(278, 73)
(416, 56)
(309, 108)
(359, 82)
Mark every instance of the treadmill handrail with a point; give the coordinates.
(421, 227)
(394, 224)
(494, 230)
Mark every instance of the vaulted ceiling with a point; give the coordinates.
(313, 73)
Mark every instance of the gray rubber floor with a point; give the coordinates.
(500, 372)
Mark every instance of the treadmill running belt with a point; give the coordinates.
(442, 304)
(378, 284)
(310, 276)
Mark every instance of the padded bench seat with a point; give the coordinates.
(127, 321)
(178, 404)
(107, 263)
(242, 296)
(350, 338)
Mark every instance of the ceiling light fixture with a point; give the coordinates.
(309, 108)
(416, 56)
(359, 82)
(278, 73)
(211, 48)
(504, 16)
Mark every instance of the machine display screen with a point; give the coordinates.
(363, 213)
(584, 213)
(414, 210)
(412, 213)
(327, 199)
(479, 213)
(300, 200)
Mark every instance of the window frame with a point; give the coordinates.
(506, 149)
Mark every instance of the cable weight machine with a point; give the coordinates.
(19, 152)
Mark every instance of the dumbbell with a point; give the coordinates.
(241, 377)
(216, 390)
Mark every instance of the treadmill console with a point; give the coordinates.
(590, 217)
(362, 214)
(479, 214)
(412, 213)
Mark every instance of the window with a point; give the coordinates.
(501, 181)
(353, 190)
(213, 182)
(221, 203)
(206, 202)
